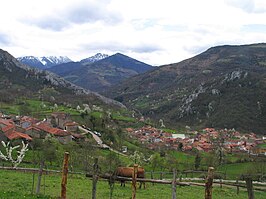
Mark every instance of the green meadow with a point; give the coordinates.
(17, 185)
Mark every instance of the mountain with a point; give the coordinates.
(94, 58)
(223, 87)
(43, 62)
(102, 74)
(19, 80)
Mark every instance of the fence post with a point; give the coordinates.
(95, 177)
(152, 177)
(32, 188)
(161, 175)
(237, 187)
(38, 186)
(134, 181)
(208, 183)
(174, 184)
(249, 184)
(64, 175)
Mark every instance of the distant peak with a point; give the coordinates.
(94, 58)
(120, 54)
(43, 61)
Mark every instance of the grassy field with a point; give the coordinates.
(262, 145)
(35, 107)
(17, 185)
(233, 171)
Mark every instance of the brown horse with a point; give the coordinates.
(128, 171)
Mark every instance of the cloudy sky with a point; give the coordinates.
(153, 31)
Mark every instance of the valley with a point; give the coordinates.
(205, 111)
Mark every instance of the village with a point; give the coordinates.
(206, 140)
(58, 125)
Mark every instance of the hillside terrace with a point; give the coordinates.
(207, 140)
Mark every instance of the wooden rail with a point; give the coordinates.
(119, 178)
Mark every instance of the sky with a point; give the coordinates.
(156, 32)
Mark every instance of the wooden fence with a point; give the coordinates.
(246, 181)
(208, 182)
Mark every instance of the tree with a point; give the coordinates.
(156, 161)
(137, 158)
(171, 162)
(219, 150)
(44, 150)
(9, 149)
(211, 160)
(180, 146)
(113, 161)
(24, 109)
(197, 161)
(93, 121)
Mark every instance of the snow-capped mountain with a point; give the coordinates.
(94, 58)
(43, 62)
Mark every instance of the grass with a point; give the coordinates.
(18, 185)
(236, 169)
(9, 109)
(183, 157)
(96, 114)
(116, 116)
(169, 130)
(131, 146)
(35, 107)
(262, 145)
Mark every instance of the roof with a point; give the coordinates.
(32, 127)
(70, 124)
(58, 132)
(61, 115)
(55, 131)
(6, 122)
(9, 127)
(28, 119)
(43, 126)
(76, 135)
(17, 135)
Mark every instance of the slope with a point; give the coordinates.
(223, 87)
(18, 80)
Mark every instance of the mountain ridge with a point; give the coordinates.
(33, 82)
(94, 58)
(43, 62)
(100, 75)
(224, 87)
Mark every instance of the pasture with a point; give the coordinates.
(17, 185)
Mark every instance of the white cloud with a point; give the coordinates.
(250, 6)
(157, 32)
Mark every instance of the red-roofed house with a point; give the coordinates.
(59, 119)
(8, 128)
(17, 135)
(26, 122)
(34, 132)
(78, 137)
(62, 135)
(6, 122)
